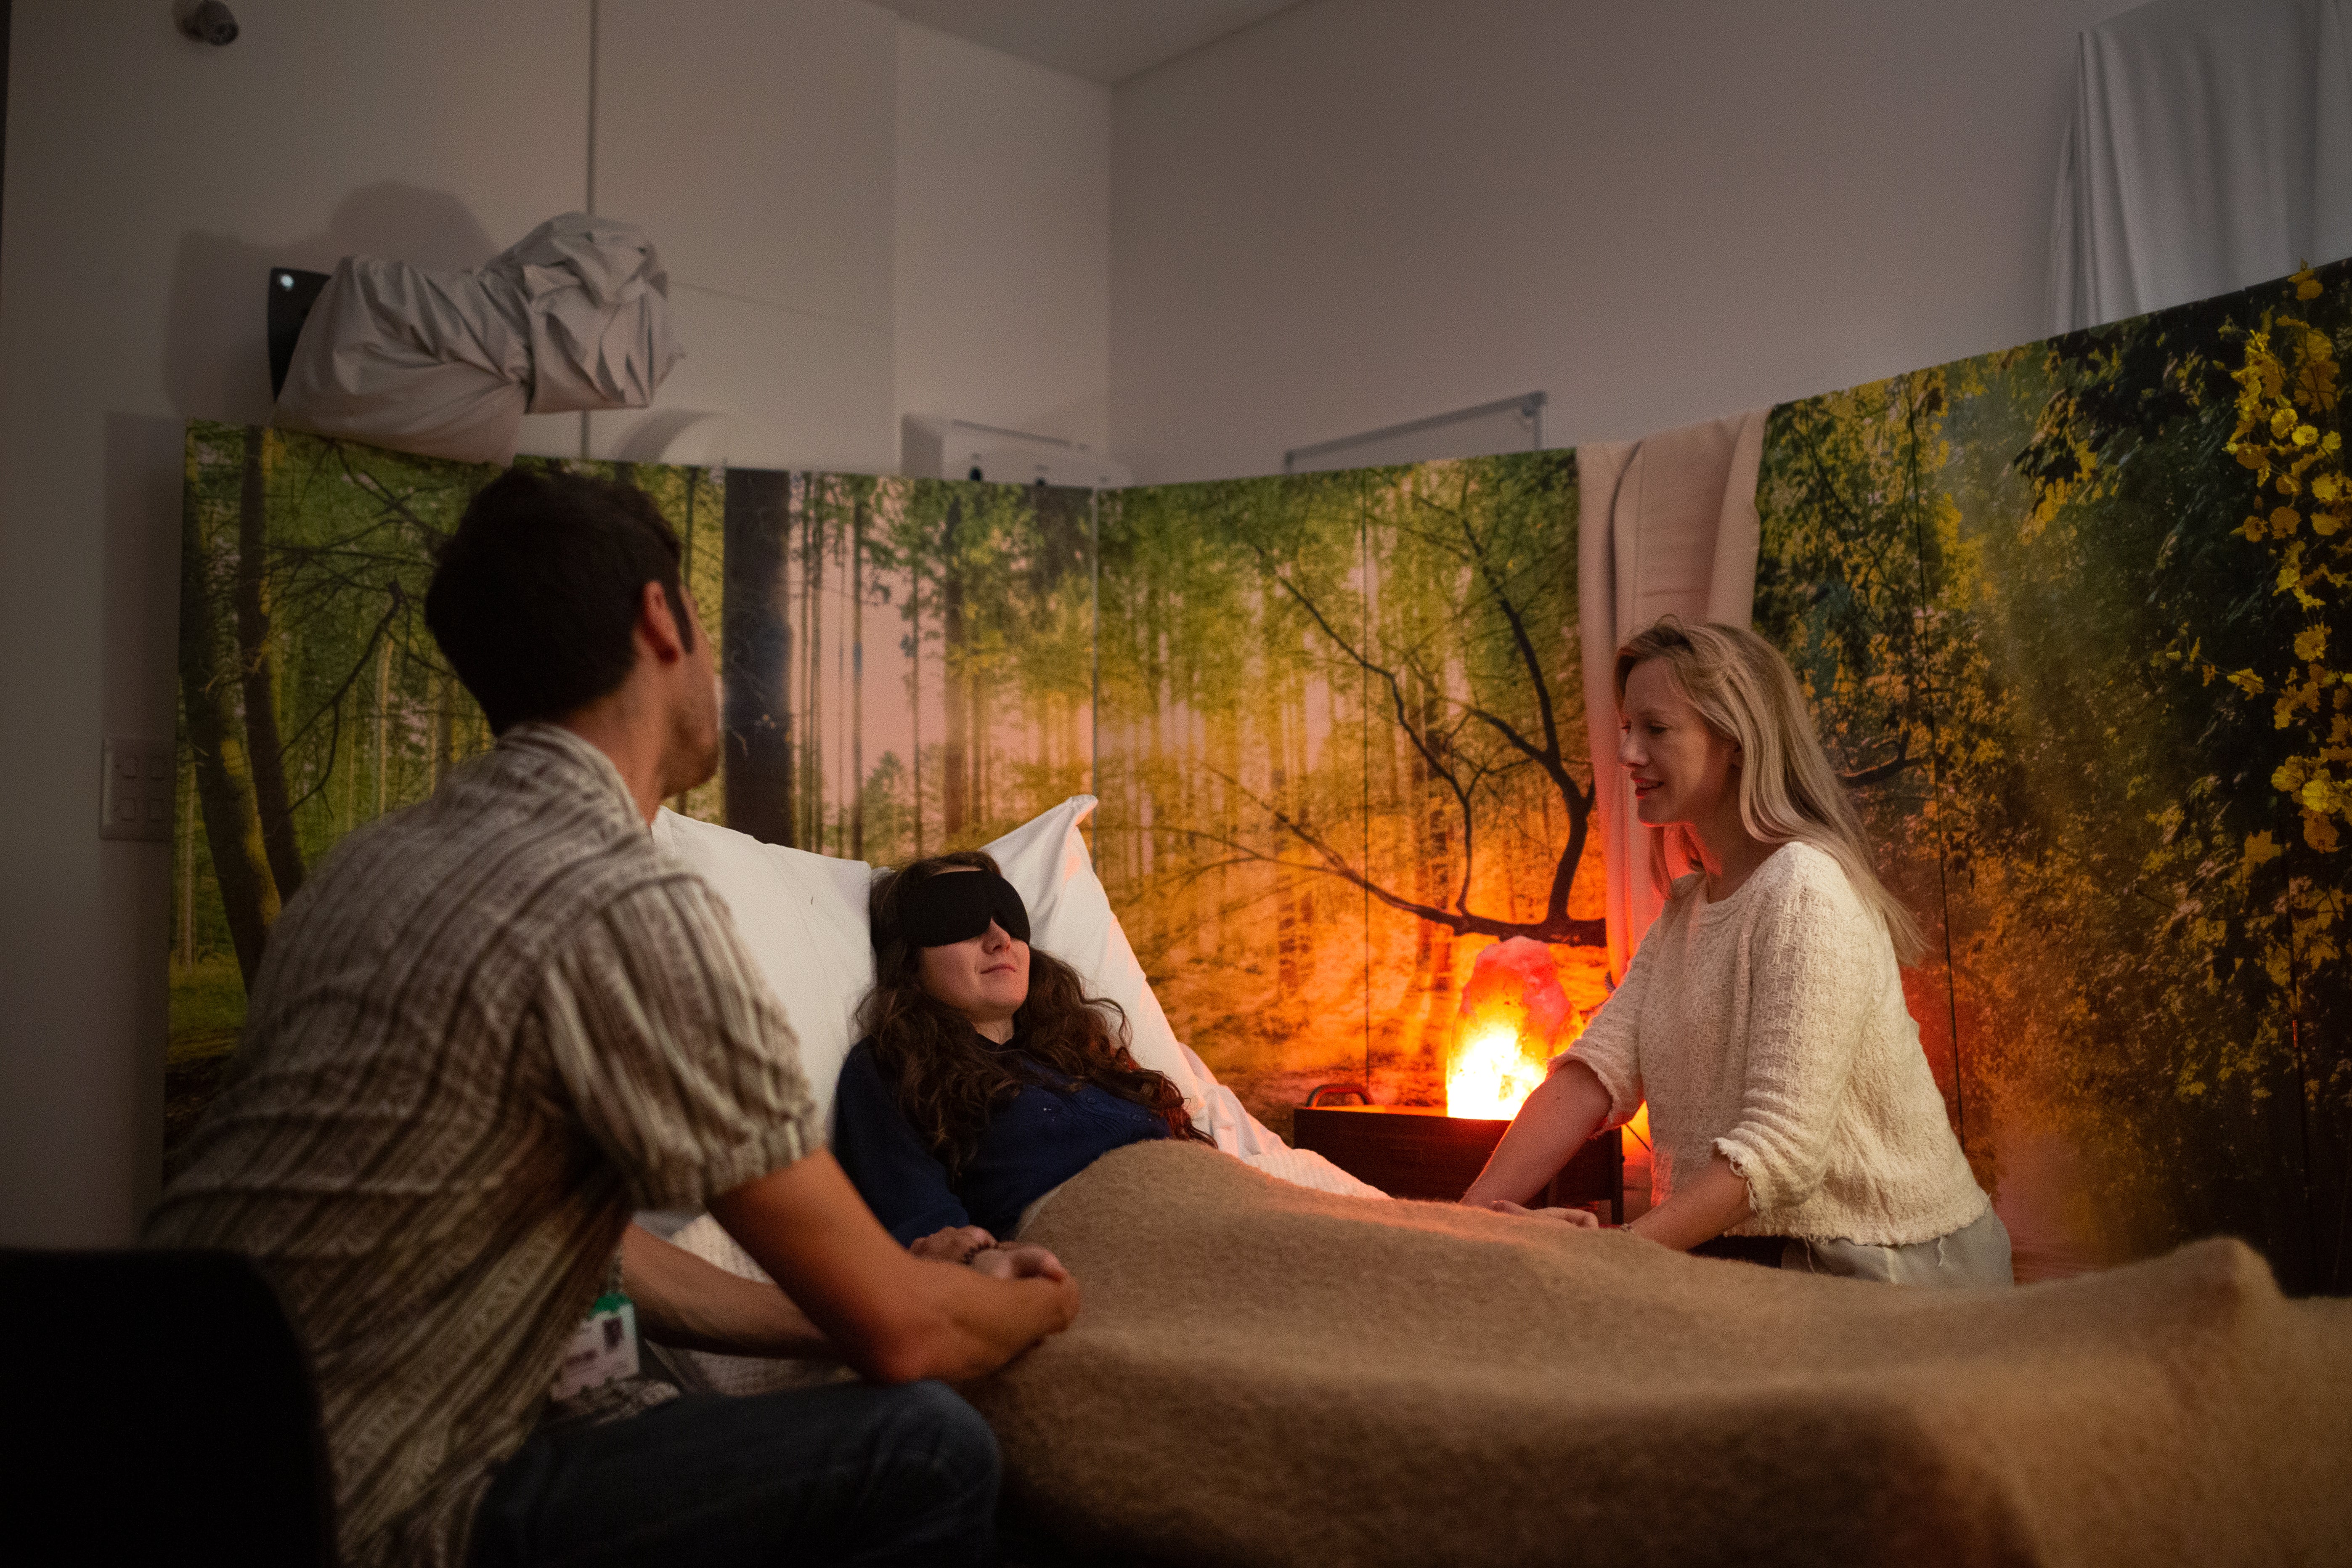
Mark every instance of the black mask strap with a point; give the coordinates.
(957, 905)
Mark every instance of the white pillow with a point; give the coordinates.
(803, 916)
(1070, 917)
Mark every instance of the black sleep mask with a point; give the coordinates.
(957, 905)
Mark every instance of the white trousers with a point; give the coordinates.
(1974, 1256)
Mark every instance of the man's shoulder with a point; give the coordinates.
(507, 846)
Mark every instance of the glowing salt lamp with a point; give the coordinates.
(1514, 1015)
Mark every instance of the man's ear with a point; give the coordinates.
(658, 623)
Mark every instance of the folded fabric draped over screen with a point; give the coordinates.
(576, 316)
(1666, 525)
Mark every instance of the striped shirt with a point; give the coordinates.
(489, 1028)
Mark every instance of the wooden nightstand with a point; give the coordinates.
(1417, 1151)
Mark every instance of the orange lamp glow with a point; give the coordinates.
(1490, 1075)
(1514, 1015)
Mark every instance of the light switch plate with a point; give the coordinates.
(134, 794)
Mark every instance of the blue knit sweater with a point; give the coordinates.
(1032, 1144)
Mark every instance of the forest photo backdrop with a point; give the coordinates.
(1341, 748)
(1335, 739)
(908, 668)
(2071, 616)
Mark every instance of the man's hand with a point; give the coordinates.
(896, 1317)
(693, 1305)
(1577, 1219)
(955, 1244)
(1018, 1260)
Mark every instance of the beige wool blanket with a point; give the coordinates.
(1265, 1374)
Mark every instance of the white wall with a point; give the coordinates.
(151, 181)
(754, 140)
(1003, 240)
(1361, 212)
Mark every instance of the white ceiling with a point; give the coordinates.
(1102, 40)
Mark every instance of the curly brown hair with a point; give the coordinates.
(949, 1077)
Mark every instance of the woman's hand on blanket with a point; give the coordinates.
(1020, 1261)
(1581, 1220)
(956, 1244)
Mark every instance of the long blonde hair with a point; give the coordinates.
(1788, 794)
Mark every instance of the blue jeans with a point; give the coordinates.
(848, 1473)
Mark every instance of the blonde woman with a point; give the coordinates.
(1793, 1118)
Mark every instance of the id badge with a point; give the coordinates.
(605, 1347)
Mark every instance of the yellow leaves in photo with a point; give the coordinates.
(2298, 695)
(2262, 850)
(2308, 784)
(2319, 832)
(2287, 404)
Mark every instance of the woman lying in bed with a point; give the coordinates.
(987, 1077)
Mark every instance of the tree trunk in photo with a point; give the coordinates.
(216, 745)
(1299, 897)
(344, 821)
(795, 598)
(257, 665)
(857, 679)
(1273, 728)
(915, 687)
(445, 725)
(844, 793)
(755, 655)
(384, 727)
(977, 746)
(685, 534)
(1157, 701)
(815, 502)
(1436, 975)
(955, 778)
(184, 948)
(1427, 886)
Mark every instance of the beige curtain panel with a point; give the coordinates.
(1666, 525)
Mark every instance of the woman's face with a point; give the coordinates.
(985, 977)
(1682, 770)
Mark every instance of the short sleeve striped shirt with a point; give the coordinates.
(484, 1032)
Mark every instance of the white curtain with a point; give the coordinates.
(1666, 525)
(574, 315)
(2210, 149)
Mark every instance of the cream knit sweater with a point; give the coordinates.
(1770, 1028)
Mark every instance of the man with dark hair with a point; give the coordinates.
(494, 1025)
(524, 602)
